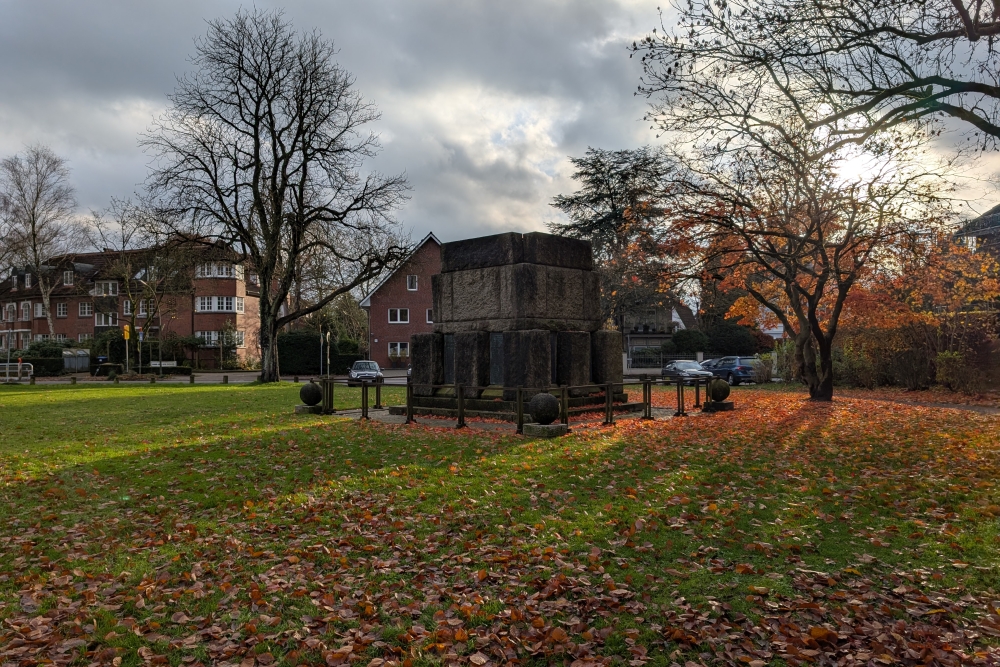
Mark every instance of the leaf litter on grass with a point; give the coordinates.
(786, 531)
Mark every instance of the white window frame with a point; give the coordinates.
(85, 309)
(241, 337)
(414, 279)
(126, 307)
(84, 337)
(13, 280)
(25, 311)
(224, 304)
(204, 304)
(39, 337)
(396, 349)
(67, 278)
(10, 312)
(39, 310)
(106, 319)
(430, 316)
(62, 309)
(27, 281)
(399, 312)
(240, 306)
(210, 338)
(60, 336)
(106, 288)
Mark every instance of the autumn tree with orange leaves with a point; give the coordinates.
(786, 221)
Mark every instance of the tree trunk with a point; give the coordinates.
(824, 384)
(46, 303)
(269, 371)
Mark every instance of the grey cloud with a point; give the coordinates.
(482, 101)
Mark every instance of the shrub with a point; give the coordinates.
(784, 357)
(911, 369)
(689, 341)
(855, 369)
(298, 354)
(763, 369)
(45, 366)
(731, 338)
(765, 343)
(668, 347)
(954, 372)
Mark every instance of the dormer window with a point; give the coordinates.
(13, 280)
(27, 281)
(67, 277)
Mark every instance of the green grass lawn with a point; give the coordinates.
(208, 524)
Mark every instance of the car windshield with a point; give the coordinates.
(688, 366)
(365, 366)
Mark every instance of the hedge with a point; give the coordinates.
(298, 354)
(44, 366)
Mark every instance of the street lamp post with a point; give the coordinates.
(328, 371)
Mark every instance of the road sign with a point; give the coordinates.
(127, 332)
(141, 333)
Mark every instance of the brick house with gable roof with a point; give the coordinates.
(401, 305)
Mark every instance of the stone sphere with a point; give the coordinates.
(718, 390)
(543, 408)
(311, 394)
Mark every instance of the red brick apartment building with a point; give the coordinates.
(400, 305)
(90, 298)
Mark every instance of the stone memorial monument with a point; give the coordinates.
(514, 310)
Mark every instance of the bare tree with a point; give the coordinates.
(262, 148)
(152, 270)
(875, 64)
(37, 204)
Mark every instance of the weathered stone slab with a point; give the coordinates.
(717, 406)
(552, 250)
(573, 359)
(426, 362)
(472, 360)
(308, 409)
(527, 361)
(606, 357)
(514, 248)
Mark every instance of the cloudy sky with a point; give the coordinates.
(482, 102)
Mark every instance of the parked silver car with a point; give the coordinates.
(363, 371)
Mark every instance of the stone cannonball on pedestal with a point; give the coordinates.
(544, 408)
(718, 390)
(311, 394)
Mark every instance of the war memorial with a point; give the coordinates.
(515, 312)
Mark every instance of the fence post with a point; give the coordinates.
(152, 379)
(564, 407)
(191, 378)
(378, 394)
(520, 409)
(460, 395)
(697, 392)
(680, 399)
(225, 379)
(409, 401)
(364, 400)
(327, 395)
(72, 379)
(648, 398)
(609, 398)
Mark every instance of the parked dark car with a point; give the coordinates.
(734, 370)
(689, 371)
(709, 364)
(363, 371)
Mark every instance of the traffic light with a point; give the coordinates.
(126, 332)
